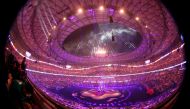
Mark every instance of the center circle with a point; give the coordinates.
(102, 39)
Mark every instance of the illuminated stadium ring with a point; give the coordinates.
(165, 30)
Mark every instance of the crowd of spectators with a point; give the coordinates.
(170, 60)
(163, 84)
(20, 91)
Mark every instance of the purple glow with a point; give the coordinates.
(145, 77)
(72, 18)
(111, 11)
(91, 12)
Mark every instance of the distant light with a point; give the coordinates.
(101, 8)
(101, 52)
(182, 38)
(137, 18)
(147, 61)
(146, 26)
(7, 48)
(80, 10)
(49, 34)
(109, 65)
(121, 11)
(54, 27)
(64, 18)
(28, 54)
(68, 66)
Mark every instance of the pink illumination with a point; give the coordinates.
(100, 95)
(101, 8)
(101, 52)
(64, 18)
(80, 10)
(144, 78)
(54, 27)
(137, 18)
(121, 11)
(147, 61)
(28, 54)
